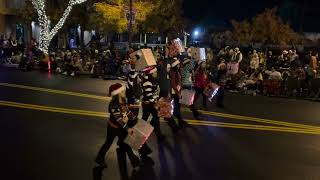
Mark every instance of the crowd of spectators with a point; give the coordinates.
(266, 72)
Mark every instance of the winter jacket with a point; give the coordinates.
(186, 74)
(133, 86)
(149, 89)
(118, 113)
(200, 79)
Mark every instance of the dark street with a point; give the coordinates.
(55, 135)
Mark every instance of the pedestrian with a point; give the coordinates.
(220, 79)
(120, 122)
(165, 87)
(200, 84)
(176, 86)
(133, 91)
(149, 99)
(187, 82)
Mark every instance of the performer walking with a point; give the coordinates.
(187, 83)
(121, 119)
(149, 99)
(165, 88)
(175, 77)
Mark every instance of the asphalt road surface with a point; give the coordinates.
(52, 126)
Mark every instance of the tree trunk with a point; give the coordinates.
(82, 36)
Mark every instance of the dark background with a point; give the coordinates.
(303, 15)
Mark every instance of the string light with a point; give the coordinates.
(46, 35)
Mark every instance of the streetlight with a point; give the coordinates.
(196, 33)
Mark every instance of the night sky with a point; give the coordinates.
(219, 13)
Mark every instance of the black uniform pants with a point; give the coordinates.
(220, 97)
(192, 107)
(177, 107)
(112, 133)
(147, 110)
(200, 91)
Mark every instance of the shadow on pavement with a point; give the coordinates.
(144, 171)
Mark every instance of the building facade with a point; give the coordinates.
(11, 23)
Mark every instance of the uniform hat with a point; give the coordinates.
(150, 70)
(116, 89)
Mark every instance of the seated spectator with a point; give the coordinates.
(87, 63)
(76, 65)
(274, 74)
(254, 82)
(66, 63)
(301, 74)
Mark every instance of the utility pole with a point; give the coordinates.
(130, 23)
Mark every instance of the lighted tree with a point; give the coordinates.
(110, 17)
(167, 18)
(47, 32)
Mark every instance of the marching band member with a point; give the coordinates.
(149, 99)
(121, 119)
(175, 77)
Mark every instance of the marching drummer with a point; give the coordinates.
(149, 99)
(120, 122)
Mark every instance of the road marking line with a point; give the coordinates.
(257, 128)
(193, 122)
(261, 120)
(251, 126)
(238, 117)
(53, 109)
(105, 98)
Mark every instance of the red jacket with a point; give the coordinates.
(200, 80)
